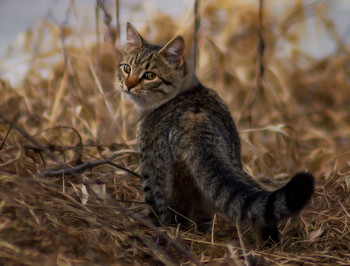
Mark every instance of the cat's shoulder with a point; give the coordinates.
(191, 107)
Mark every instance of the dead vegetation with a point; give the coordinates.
(297, 119)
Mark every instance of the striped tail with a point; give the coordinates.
(269, 208)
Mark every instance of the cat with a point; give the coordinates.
(190, 152)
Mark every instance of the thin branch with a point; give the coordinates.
(88, 165)
(124, 169)
(261, 48)
(97, 21)
(35, 150)
(31, 139)
(79, 151)
(8, 132)
(107, 19)
(260, 67)
(196, 33)
(117, 8)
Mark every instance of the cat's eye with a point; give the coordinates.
(127, 69)
(149, 76)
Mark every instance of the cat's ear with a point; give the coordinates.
(133, 38)
(174, 51)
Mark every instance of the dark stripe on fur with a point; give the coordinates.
(270, 208)
(131, 60)
(136, 57)
(166, 82)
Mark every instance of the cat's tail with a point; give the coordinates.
(293, 196)
(266, 209)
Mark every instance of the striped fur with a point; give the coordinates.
(190, 148)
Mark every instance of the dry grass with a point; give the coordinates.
(298, 119)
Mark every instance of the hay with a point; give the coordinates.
(298, 119)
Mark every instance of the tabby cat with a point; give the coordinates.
(190, 148)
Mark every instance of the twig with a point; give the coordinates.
(31, 139)
(117, 7)
(97, 19)
(107, 19)
(79, 152)
(196, 33)
(8, 132)
(259, 62)
(35, 150)
(83, 166)
(261, 49)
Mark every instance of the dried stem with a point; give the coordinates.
(240, 237)
(97, 19)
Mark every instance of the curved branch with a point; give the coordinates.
(90, 165)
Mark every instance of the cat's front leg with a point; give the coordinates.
(155, 197)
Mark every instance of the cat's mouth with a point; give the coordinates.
(125, 90)
(131, 94)
(128, 92)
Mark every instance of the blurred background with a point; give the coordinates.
(20, 18)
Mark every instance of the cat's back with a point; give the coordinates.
(197, 102)
(194, 112)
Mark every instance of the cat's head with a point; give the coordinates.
(151, 75)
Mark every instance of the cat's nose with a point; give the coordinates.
(131, 82)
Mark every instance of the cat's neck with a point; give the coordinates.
(189, 82)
